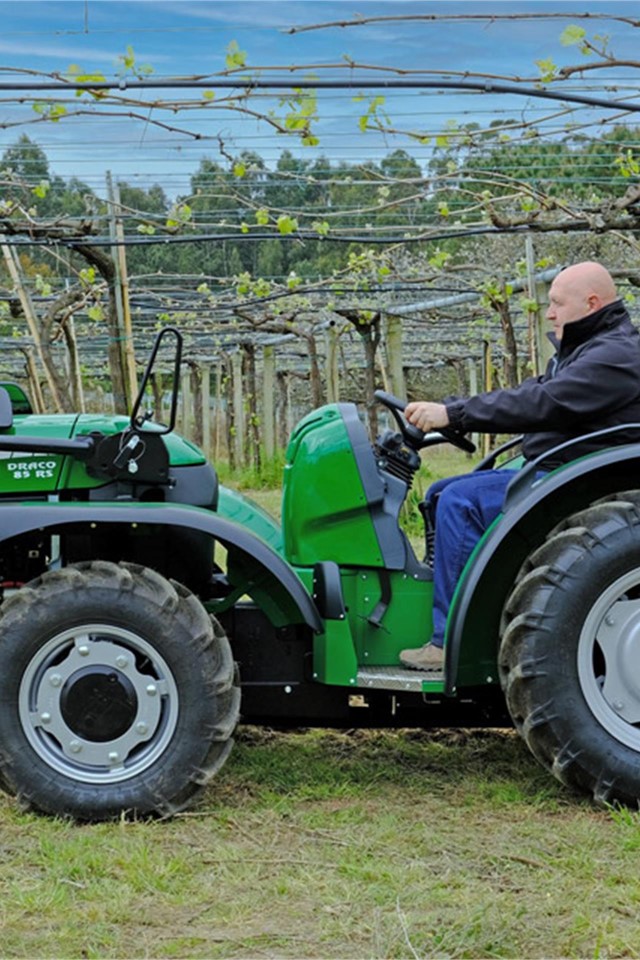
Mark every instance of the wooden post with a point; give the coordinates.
(34, 389)
(250, 392)
(196, 402)
(157, 388)
(27, 307)
(218, 412)
(487, 364)
(540, 348)
(268, 415)
(122, 292)
(488, 385)
(186, 403)
(393, 350)
(75, 372)
(331, 364)
(238, 408)
(472, 372)
(289, 407)
(205, 390)
(282, 420)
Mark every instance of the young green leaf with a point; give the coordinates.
(286, 224)
(572, 34)
(235, 56)
(548, 69)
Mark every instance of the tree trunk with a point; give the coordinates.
(368, 327)
(315, 380)
(77, 392)
(510, 366)
(282, 408)
(196, 393)
(370, 334)
(106, 268)
(158, 396)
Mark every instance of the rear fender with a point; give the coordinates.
(532, 509)
(234, 506)
(254, 567)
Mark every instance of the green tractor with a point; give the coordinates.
(146, 609)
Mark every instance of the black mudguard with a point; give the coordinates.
(261, 568)
(532, 509)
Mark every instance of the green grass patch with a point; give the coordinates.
(323, 844)
(267, 475)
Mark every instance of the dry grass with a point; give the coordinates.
(323, 844)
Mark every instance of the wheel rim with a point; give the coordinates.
(609, 659)
(98, 703)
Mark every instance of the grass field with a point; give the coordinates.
(323, 844)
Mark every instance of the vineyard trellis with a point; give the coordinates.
(312, 281)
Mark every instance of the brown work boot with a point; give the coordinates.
(427, 657)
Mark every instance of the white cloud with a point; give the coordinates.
(54, 51)
(267, 13)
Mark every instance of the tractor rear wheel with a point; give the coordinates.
(570, 653)
(117, 693)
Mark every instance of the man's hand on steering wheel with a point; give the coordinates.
(427, 416)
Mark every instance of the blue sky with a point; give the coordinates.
(188, 37)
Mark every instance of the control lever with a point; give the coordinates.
(125, 456)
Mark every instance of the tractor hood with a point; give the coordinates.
(72, 425)
(46, 472)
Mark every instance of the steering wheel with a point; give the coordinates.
(413, 435)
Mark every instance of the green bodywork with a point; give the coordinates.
(356, 641)
(340, 511)
(328, 515)
(234, 506)
(325, 513)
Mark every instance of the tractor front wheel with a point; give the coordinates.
(117, 693)
(570, 653)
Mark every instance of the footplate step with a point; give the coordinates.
(397, 678)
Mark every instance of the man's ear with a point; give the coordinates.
(594, 302)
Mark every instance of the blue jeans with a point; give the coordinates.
(463, 508)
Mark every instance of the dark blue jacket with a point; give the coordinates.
(592, 382)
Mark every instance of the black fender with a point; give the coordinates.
(260, 568)
(532, 508)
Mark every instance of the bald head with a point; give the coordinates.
(578, 291)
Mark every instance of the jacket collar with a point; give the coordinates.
(579, 331)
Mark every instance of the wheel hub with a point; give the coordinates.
(609, 660)
(619, 639)
(98, 705)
